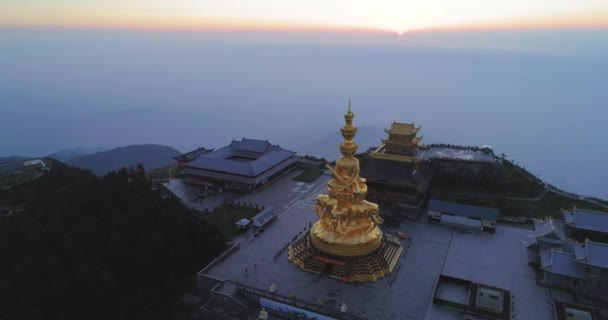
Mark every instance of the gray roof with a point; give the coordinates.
(243, 222)
(228, 176)
(543, 231)
(563, 263)
(464, 210)
(587, 219)
(189, 156)
(261, 218)
(592, 253)
(251, 145)
(265, 156)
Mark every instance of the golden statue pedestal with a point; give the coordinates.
(346, 241)
(344, 248)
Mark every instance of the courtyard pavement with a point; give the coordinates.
(281, 193)
(495, 259)
(196, 197)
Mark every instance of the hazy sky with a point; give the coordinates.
(387, 15)
(528, 77)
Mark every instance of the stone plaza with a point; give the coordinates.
(498, 260)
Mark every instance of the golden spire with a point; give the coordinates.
(348, 147)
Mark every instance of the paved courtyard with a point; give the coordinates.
(495, 259)
(281, 193)
(196, 197)
(284, 192)
(498, 260)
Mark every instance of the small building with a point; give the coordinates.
(394, 173)
(550, 233)
(34, 162)
(402, 142)
(559, 269)
(571, 311)
(459, 214)
(184, 159)
(584, 224)
(245, 165)
(473, 298)
(264, 217)
(243, 223)
(487, 149)
(564, 261)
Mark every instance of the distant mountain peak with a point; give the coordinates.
(152, 156)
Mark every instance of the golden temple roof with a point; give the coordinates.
(403, 128)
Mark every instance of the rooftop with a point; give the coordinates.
(247, 157)
(463, 210)
(550, 230)
(403, 128)
(586, 219)
(592, 253)
(189, 156)
(563, 263)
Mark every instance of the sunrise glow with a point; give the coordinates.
(393, 16)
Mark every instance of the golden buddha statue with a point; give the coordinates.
(346, 241)
(347, 223)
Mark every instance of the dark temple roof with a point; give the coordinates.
(189, 156)
(263, 156)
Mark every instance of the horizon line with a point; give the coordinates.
(249, 26)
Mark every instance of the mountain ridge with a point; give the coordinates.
(152, 156)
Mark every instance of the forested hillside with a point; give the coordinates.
(88, 247)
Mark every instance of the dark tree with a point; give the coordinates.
(86, 247)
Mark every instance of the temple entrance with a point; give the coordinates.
(327, 269)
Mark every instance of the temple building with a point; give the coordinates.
(584, 224)
(346, 241)
(463, 215)
(478, 300)
(568, 261)
(184, 159)
(395, 175)
(402, 143)
(245, 165)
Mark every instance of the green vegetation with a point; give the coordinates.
(309, 175)
(504, 178)
(163, 173)
(225, 216)
(502, 185)
(20, 175)
(547, 205)
(88, 247)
